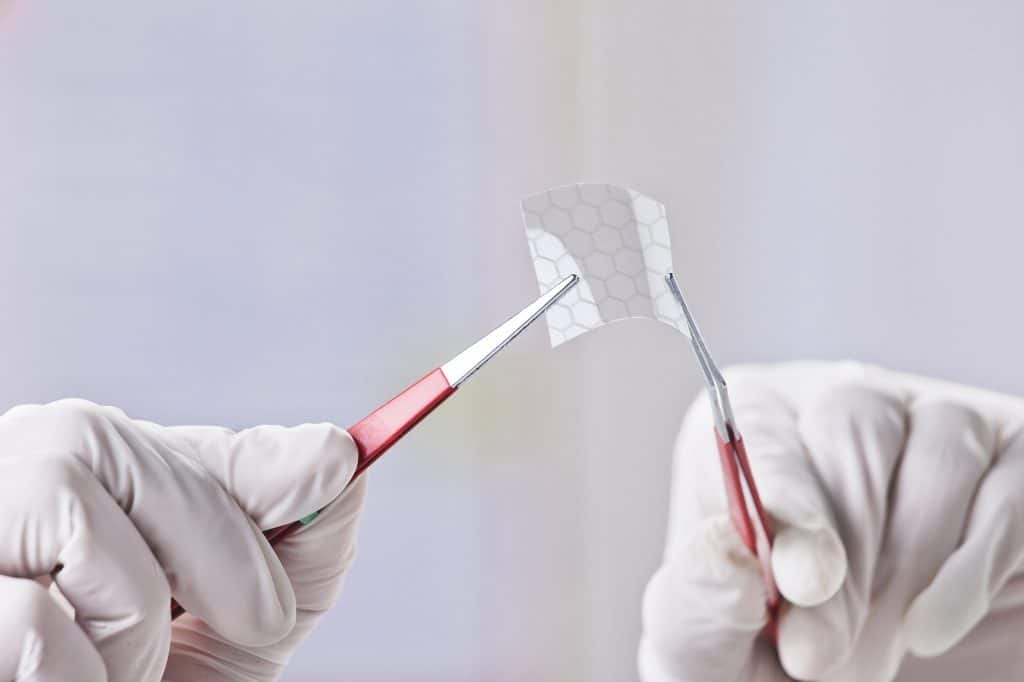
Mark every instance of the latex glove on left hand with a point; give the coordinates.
(277, 474)
(122, 514)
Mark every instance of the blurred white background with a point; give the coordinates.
(246, 212)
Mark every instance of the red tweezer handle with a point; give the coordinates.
(377, 432)
(382, 428)
(392, 420)
(757, 533)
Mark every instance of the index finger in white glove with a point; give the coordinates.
(278, 474)
(991, 553)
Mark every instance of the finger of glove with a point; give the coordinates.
(808, 557)
(1004, 412)
(39, 642)
(990, 652)
(948, 449)
(277, 474)
(703, 609)
(990, 554)
(317, 558)
(854, 437)
(219, 566)
(55, 518)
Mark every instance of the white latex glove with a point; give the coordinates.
(123, 514)
(900, 526)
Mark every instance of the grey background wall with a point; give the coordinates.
(249, 212)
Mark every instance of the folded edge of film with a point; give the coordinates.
(617, 241)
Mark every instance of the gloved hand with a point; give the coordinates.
(122, 514)
(900, 527)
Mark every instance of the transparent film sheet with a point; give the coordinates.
(617, 241)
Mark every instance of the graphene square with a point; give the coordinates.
(617, 241)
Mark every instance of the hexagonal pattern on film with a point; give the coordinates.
(617, 240)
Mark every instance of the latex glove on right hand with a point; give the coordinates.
(872, 479)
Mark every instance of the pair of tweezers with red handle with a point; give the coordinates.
(383, 427)
(745, 509)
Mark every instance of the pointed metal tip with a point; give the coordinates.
(463, 365)
(712, 376)
(558, 291)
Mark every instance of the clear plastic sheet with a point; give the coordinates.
(617, 240)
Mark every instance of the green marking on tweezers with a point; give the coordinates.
(306, 520)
